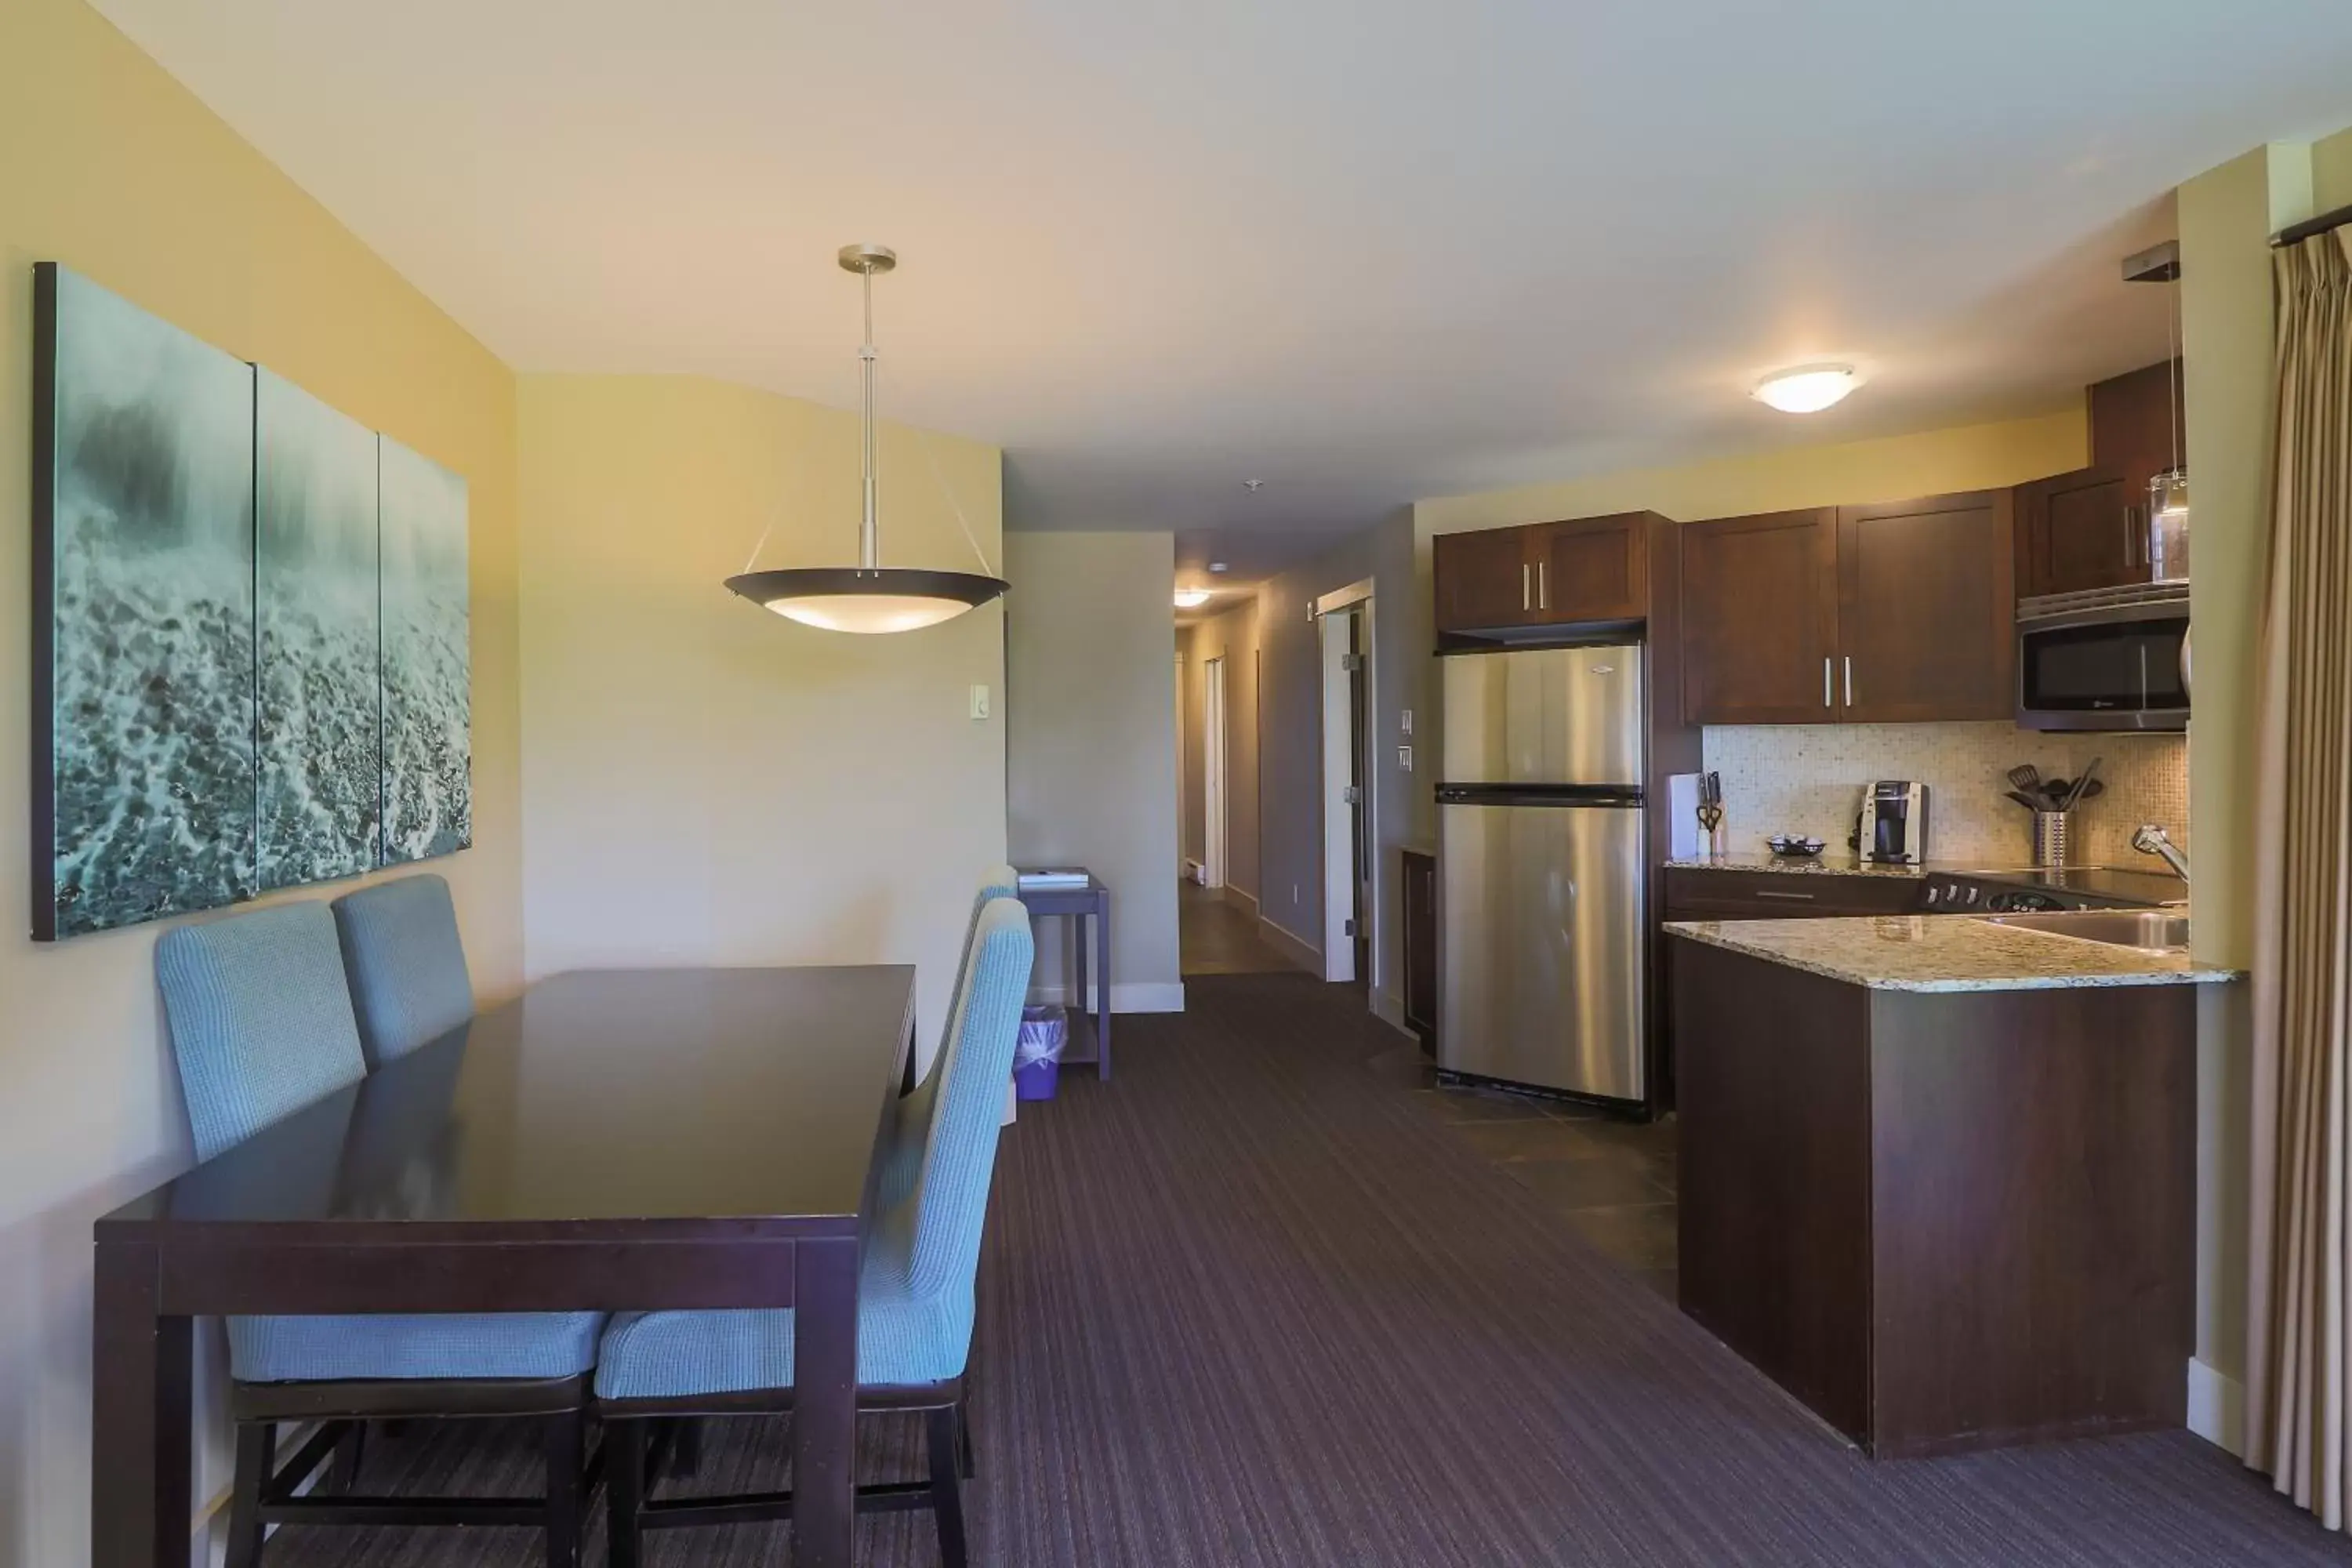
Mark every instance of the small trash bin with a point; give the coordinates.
(1037, 1058)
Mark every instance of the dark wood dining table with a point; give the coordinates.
(611, 1141)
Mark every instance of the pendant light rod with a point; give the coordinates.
(865, 261)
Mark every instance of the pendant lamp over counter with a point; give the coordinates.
(869, 596)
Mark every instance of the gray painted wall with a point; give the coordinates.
(1090, 704)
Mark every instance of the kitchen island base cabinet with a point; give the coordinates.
(1944, 1220)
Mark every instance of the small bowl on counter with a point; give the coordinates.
(1790, 846)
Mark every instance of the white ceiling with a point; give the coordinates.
(1366, 251)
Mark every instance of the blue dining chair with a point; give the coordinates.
(405, 965)
(910, 1127)
(915, 1297)
(261, 1024)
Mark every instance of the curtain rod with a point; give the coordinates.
(2295, 234)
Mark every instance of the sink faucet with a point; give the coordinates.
(2152, 840)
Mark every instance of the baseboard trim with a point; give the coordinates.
(1292, 946)
(1245, 902)
(2217, 1407)
(1135, 997)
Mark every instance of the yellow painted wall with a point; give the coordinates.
(2331, 173)
(115, 171)
(1966, 458)
(705, 782)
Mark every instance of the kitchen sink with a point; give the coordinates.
(2150, 931)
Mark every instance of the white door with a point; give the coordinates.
(1213, 768)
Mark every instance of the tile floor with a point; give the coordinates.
(1613, 1181)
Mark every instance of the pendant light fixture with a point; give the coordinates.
(869, 596)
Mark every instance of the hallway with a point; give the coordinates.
(1217, 936)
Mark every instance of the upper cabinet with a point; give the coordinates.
(1542, 574)
(2089, 529)
(1760, 619)
(1927, 609)
(1851, 614)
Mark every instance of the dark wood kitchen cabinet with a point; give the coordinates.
(1886, 614)
(1760, 608)
(2088, 529)
(2079, 531)
(1543, 575)
(1927, 609)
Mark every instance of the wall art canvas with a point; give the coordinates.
(428, 792)
(320, 761)
(143, 755)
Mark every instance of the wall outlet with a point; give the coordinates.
(980, 702)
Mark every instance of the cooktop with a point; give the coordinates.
(2053, 887)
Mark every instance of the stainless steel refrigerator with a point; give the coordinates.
(1542, 863)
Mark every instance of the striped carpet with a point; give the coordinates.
(1250, 1304)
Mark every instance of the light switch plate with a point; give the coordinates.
(1405, 726)
(1404, 758)
(980, 702)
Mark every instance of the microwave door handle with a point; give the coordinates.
(2185, 633)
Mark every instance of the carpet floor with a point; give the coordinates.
(1253, 1304)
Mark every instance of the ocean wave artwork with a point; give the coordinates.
(144, 568)
(428, 786)
(321, 766)
(252, 664)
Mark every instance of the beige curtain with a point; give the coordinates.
(2299, 1370)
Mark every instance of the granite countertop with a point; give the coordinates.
(1947, 952)
(1828, 863)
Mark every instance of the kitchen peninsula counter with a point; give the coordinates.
(1937, 1177)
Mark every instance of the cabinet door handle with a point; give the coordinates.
(1525, 602)
(2134, 539)
(1786, 897)
(1849, 680)
(1828, 690)
(1543, 585)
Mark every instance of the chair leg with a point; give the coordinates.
(625, 1490)
(969, 1465)
(947, 1485)
(345, 1476)
(686, 1448)
(255, 1456)
(567, 1457)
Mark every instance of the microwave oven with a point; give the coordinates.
(2108, 658)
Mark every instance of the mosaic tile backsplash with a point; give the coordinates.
(1807, 779)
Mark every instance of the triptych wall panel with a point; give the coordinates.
(251, 665)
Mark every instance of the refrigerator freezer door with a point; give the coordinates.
(1542, 971)
(1544, 716)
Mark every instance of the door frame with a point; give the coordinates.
(1214, 710)
(1334, 613)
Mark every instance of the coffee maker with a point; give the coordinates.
(1893, 827)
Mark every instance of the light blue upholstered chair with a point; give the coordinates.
(915, 1304)
(911, 1123)
(407, 966)
(261, 1023)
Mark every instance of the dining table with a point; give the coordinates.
(609, 1139)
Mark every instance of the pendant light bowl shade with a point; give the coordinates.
(867, 599)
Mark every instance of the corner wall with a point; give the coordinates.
(118, 173)
(705, 782)
(1090, 706)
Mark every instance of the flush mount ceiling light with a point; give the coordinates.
(1191, 598)
(869, 596)
(1807, 389)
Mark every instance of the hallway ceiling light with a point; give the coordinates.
(1807, 389)
(1191, 598)
(869, 596)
